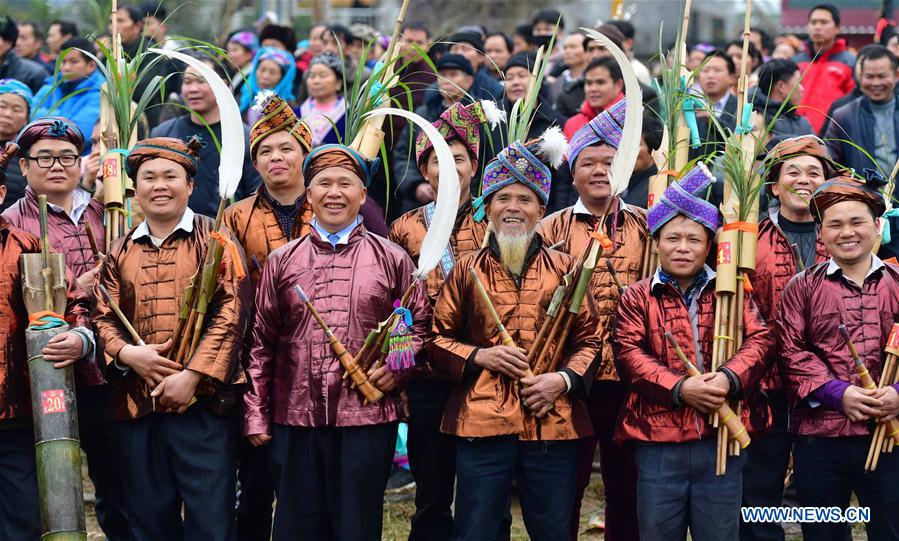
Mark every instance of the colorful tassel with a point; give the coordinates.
(401, 354)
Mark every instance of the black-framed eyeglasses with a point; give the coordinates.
(46, 162)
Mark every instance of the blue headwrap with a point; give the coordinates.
(14, 86)
(284, 88)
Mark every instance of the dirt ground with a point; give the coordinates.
(397, 515)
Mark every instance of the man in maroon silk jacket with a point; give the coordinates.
(833, 415)
(331, 452)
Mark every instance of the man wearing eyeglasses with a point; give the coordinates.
(50, 151)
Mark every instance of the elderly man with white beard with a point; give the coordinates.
(507, 422)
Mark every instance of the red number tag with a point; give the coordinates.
(53, 401)
(724, 253)
(893, 340)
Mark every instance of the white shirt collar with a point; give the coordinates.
(710, 275)
(580, 208)
(186, 223)
(80, 200)
(833, 268)
(343, 235)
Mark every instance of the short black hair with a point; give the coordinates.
(134, 13)
(754, 52)
(731, 67)
(155, 10)
(625, 27)
(834, 12)
(343, 33)
(526, 31)
(66, 28)
(506, 39)
(607, 62)
(610, 31)
(415, 25)
(767, 41)
(9, 31)
(775, 71)
(653, 132)
(217, 66)
(551, 16)
(876, 52)
(36, 28)
(80, 43)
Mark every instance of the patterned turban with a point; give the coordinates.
(528, 163)
(50, 127)
(804, 145)
(6, 154)
(245, 39)
(605, 128)
(186, 154)
(848, 188)
(276, 116)
(342, 156)
(685, 197)
(460, 122)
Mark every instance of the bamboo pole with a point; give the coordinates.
(505, 337)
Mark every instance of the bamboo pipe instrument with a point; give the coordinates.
(95, 250)
(376, 337)
(878, 444)
(119, 314)
(728, 417)
(359, 377)
(503, 333)
(614, 274)
(866, 379)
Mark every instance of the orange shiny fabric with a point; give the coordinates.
(15, 391)
(253, 222)
(629, 241)
(409, 231)
(485, 403)
(149, 284)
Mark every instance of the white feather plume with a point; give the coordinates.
(438, 235)
(262, 98)
(553, 146)
(626, 156)
(232, 154)
(494, 114)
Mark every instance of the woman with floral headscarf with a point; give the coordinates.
(273, 69)
(324, 109)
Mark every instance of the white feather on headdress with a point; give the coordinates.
(553, 146)
(626, 156)
(262, 98)
(494, 114)
(448, 192)
(232, 154)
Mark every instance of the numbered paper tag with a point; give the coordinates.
(724, 257)
(53, 401)
(110, 168)
(650, 200)
(893, 341)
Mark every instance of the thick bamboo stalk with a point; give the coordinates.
(505, 337)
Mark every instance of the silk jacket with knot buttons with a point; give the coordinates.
(409, 231)
(253, 222)
(628, 232)
(15, 390)
(69, 239)
(148, 283)
(775, 265)
(650, 367)
(486, 403)
(295, 378)
(812, 351)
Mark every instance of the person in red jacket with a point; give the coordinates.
(789, 241)
(603, 87)
(826, 65)
(832, 412)
(666, 410)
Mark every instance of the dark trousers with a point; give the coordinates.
(97, 433)
(766, 469)
(330, 481)
(829, 470)
(432, 460)
(619, 473)
(256, 492)
(169, 460)
(546, 472)
(677, 488)
(20, 511)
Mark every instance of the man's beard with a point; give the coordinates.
(513, 250)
